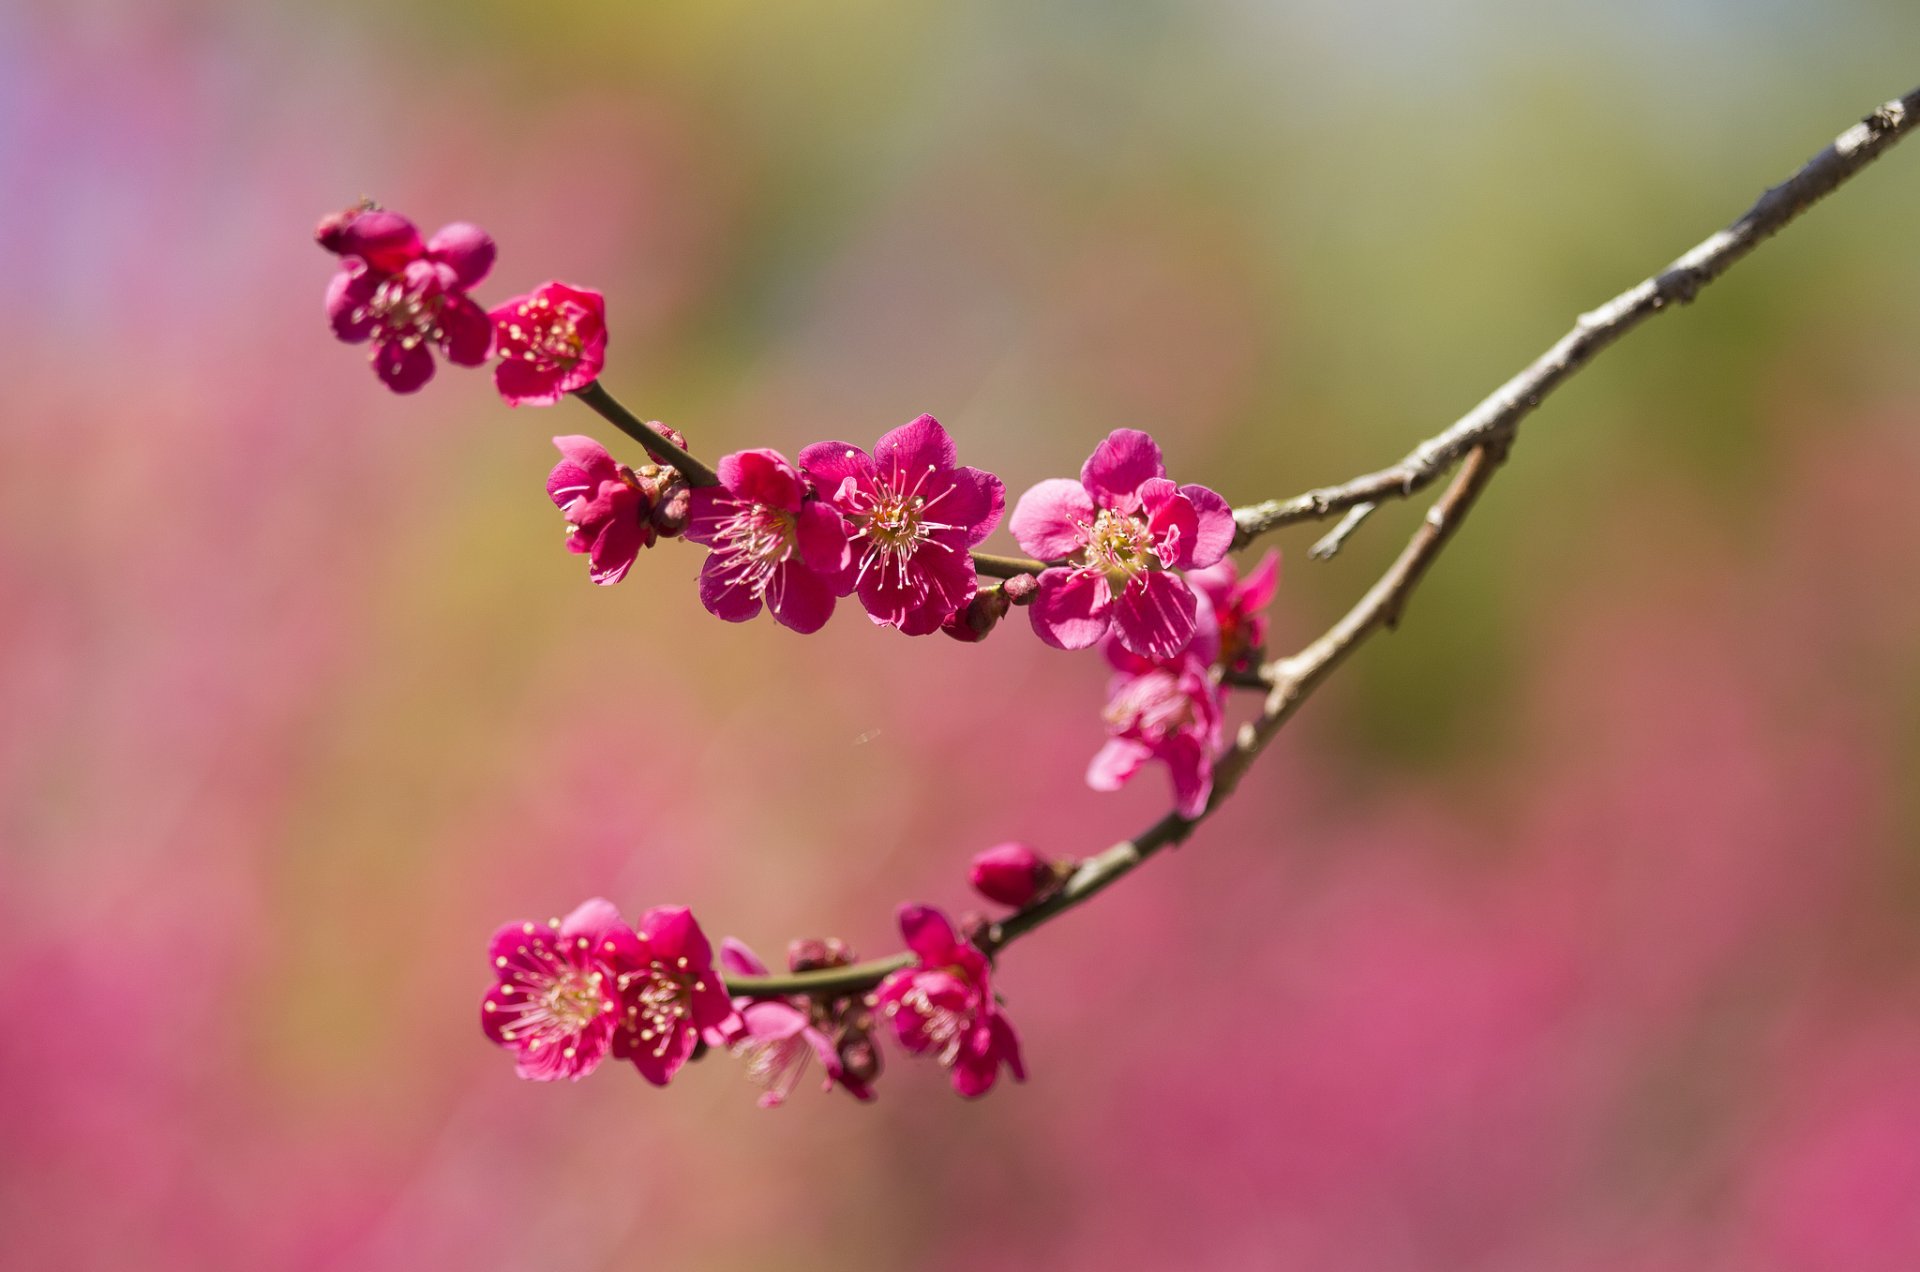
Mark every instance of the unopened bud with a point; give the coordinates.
(813, 953)
(669, 432)
(1016, 875)
(331, 232)
(858, 1056)
(972, 621)
(1020, 588)
(670, 513)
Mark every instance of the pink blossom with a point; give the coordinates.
(916, 513)
(557, 1000)
(775, 1036)
(612, 512)
(669, 991)
(1239, 604)
(1122, 529)
(772, 542)
(945, 1005)
(551, 341)
(406, 295)
(1012, 874)
(1164, 709)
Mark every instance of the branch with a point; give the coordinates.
(1678, 284)
(1483, 436)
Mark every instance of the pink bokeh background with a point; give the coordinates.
(1572, 927)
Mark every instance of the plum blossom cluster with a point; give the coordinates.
(1122, 558)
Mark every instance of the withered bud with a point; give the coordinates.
(1020, 588)
(858, 1056)
(811, 954)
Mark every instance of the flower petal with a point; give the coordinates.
(724, 590)
(672, 935)
(467, 249)
(1053, 518)
(593, 919)
(386, 241)
(738, 960)
(799, 598)
(469, 332)
(927, 933)
(1213, 536)
(1155, 616)
(1119, 464)
(821, 535)
(1114, 764)
(762, 477)
(1072, 608)
(348, 293)
(400, 368)
(905, 455)
(830, 464)
(524, 383)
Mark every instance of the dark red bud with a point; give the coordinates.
(858, 1056)
(1015, 875)
(813, 953)
(972, 621)
(331, 232)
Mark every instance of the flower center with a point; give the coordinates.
(892, 518)
(774, 1063)
(1119, 545)
(945, 1029)
(409, 315)
(539, 332)
(656, 1004)
(556, 1001)
(757, 539)
(1152, 705)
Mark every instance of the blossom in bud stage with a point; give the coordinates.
(1168, 710)
(775, 1036)
(944, 1005)
(1013, 874)
(407, 295)
(1123, 530)
(772, 543)
(551, 341)
(916, 514)
(981, 614)
(557, 1001)
(1239, 603)
(813, 953)
(610, 509)
(669, 992)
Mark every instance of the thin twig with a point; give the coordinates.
(1679, 283)
(1330, 542)
(1483, 437)
(657, 445)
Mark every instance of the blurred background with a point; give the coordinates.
(1572, 927)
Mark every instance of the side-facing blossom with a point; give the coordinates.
(1166, 709)
(612, 512)
(557, 1003)
(775, 1036)
(1240, 603)
(944, 1005)
(407, 295)
(772, 543)
(916, 514)
(669, 991)
(551, 341)
(1122, 529)
(1014, 874)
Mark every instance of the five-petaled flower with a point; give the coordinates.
(407, 295)
(1167, 709)
(557, 1002)
(551, 341)
(1239, 603)
(945, 1005)
(775, 1036)
(772, 542)
(669, 991)
(916, 515)
(612, 511)
(1123, 530)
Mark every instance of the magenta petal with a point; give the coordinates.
(710, 1007)
(762, 477)
(385, 240)
(829, 464)
(1155, 616)
(799, 598)
(973, 1075)
(591, 919)
(1114, 764)
(1214, 535)
(467, 249)
(584, 462)
(671, 933)
(659, 1068)
(402, 369)
(915, 448)
(773, 1018)
(1006, 1045)
(619, 542)
(522, 383)
(1119, 464)
(738, 960)
(975, 500)
(1052, 519)
(469, 332)
(707, 508)
(1072, 609)
(1171, 521)
(498, 1010)
(821, 535)
(724, 593)
(927, 933)
(348, 294)
(1191, 768)
(1258, 588)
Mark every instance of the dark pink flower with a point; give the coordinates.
(775, 1036)
(945, 1005)
(771, 543)
(1123, 529)
(916, 514)
(1239, 604)
(609, 509)
(406, 295)
(1168, 710)
(1012, 874)
(669, 991)
(557, 1001)
(551, 341)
